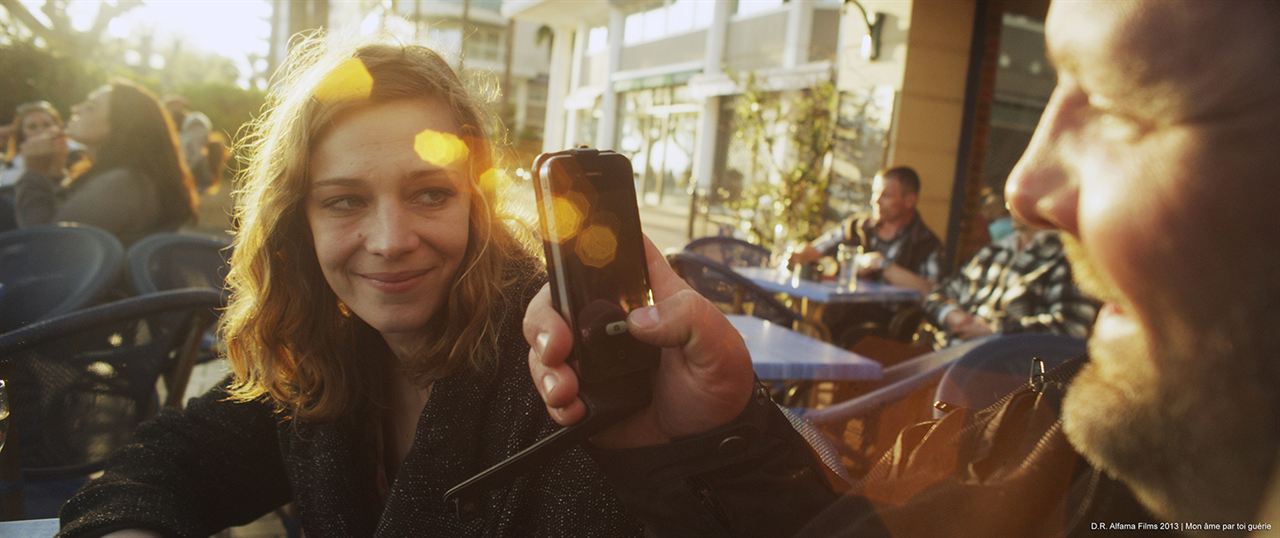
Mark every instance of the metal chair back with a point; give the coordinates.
(730, 251)
(1000, 366)
(169, 261)
(80, 383)
(731, 291)
(48, 271)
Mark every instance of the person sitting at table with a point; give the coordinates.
(135, 182)
(897, 244)
(1157, 162)
(377, 290)
(1021, 283)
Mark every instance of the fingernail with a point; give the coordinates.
(644, 318)
(548, 383)
(540, 343)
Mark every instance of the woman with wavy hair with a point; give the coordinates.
(374, 330)
(134, 182)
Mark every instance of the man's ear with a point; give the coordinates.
(911, 198)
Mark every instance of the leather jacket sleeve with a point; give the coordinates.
(755, 476)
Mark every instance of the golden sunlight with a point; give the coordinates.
(438, 148)
(597, 246)
(566, 217)
(350, 80)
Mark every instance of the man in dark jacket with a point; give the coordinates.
(897, 244)
(1156, 159)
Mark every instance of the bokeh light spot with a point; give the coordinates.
(566, 216)
(597, 246)
(492, 178)
(350, 80)
(439, 148)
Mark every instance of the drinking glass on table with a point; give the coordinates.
(847, 260)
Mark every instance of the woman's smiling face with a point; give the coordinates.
(389, 213)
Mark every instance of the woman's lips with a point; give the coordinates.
(397, 282)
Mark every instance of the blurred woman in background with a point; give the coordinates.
(134, 182)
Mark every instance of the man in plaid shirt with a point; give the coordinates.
(1021, 283)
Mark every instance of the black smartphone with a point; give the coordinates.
(595, 261)
(590, 228)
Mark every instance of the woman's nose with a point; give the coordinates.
(390, 232)
(1042, 189)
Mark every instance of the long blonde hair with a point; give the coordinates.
(286, 336)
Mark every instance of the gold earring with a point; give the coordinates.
(343, 309)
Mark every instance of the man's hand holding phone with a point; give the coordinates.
(703, 381)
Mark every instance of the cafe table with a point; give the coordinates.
(827, 292)
(798, 363)
(29, 528)
(779, 353)
(815, 296)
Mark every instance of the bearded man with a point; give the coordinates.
(1156, 159)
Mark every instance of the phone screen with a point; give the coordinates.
(595, 255)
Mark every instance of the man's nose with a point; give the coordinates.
(1042, 189)
(390, 232)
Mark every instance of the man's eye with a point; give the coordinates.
(1113, 122)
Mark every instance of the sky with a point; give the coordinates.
(230, 28)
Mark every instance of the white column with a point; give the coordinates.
(799, 27)
(553, 133)
(575, 79)
(521, 100)
(608, 126)
(704, 155)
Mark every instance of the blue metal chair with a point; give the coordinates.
(730, 251)
(48, 271)
(1000, 366)
(80, 383)
(737, 294)
(868, 423)
(169, 261)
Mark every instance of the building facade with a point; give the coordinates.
(494, 51)
(657, 81)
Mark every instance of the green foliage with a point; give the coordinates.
(791, 195)
(207, 81)
(32, 73)
(228, 106)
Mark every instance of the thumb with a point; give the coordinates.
(688, 322)
(663, 280)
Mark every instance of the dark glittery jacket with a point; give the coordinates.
(219, 464)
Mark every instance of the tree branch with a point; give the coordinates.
(20, 12)
(106, 12)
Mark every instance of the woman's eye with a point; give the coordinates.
(433, 197)
(342, 203)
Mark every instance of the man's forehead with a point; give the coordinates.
(1181, 59)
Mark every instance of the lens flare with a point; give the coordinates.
(566, 216)
(350, 80)
(439, 148)
(597, 246)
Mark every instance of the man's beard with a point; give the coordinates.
(1188, 418)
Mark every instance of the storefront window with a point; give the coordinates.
(657, 132)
